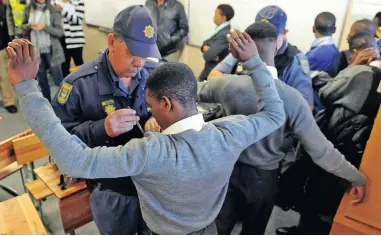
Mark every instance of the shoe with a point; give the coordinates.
(11, 109)
(287, 230)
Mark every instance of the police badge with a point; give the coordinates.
(64, 93)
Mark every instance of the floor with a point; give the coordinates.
(11, 124)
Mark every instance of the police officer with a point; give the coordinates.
(92, 103)
(292, 65)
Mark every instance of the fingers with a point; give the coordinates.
(25, 49)
(17, 48)
(125, 112)
(359, 193)
(247, 37)
(12, 54)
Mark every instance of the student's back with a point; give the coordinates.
(321, 58)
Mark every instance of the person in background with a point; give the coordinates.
(42, 24)
(323, 52)
(377, 22)
(172, 25)
(182, 174)
(345, 57)
(6, 91)
(351, 103)
(292, 65)
(73, 12)
(215, 49)
(253, 184)
(92, 103)
(15, 14)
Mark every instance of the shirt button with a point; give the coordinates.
(96, 67)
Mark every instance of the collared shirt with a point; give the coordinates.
(118, 83)
(328, 40)
(219, 28)
(195, 122)
(273, 71)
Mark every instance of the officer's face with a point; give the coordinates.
(125, 64)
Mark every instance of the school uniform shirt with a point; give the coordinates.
(321, 57)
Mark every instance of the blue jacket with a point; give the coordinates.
(84, 100)
(321, 57)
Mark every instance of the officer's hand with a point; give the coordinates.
(359, 194)
(241, 45)
(23, 63)
(152, 125)
(120, 122)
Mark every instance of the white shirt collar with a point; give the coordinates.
(195, 122)
(273, 71)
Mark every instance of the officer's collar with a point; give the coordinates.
(107, 77)
(283, 48)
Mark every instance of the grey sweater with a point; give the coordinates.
(181, 179)
(237, 95)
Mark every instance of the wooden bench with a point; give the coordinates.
(73, 201)
(8, 163)
(18, 216)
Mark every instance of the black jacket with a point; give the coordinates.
(172, 25)
(218, 50)
(4, 36)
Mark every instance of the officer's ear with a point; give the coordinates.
(313, 29)
(111, 40)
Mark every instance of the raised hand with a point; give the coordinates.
(241, 45)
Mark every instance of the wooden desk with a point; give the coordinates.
(364, 218)
(19, 216)
(74, 201)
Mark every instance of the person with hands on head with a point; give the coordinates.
(101, 103)
(164, 166)
(253, 184)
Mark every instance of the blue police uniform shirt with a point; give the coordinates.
(297, 74)
(321, 57)
(89, 94)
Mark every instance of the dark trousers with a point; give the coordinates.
(116, 214)
(75, 53)
(42, 75)
(251, 196)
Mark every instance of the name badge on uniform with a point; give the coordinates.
(64, 93)
(109, 106)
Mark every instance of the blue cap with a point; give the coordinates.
(275, 15)
(139, 30)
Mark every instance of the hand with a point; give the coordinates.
(365, 57)
(359, 193)
(59, 7)
(23, 63)
(152, 125)
(241, 45)
(120, 122)
(38, 27)
(205, 48)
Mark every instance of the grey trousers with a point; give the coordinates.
(114, 213)
(208, 230)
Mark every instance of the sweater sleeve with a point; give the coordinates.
(73, 157)
(241, 131)
(324, 154)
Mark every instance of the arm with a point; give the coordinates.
(55, 29)
(216, 48)
(72, 156)
(182, 24)
(77, 16)
(243, 131)
(224, 67)
(10, 21)
(93, 133)
(324, 154)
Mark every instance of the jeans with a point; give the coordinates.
(45, 64)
